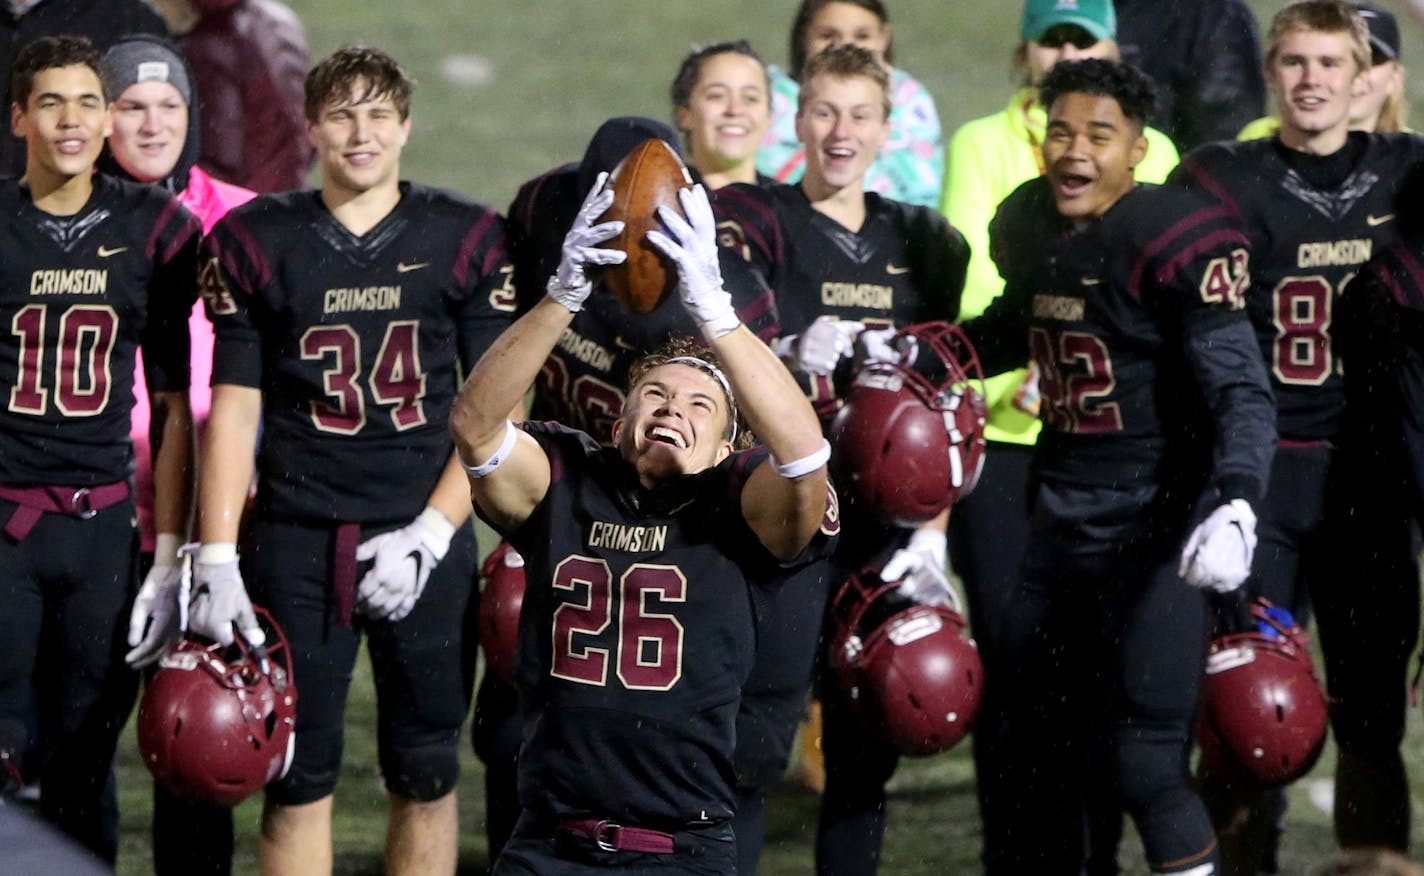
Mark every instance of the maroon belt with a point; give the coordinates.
(81, 502)
(343, 573)
(619, 838)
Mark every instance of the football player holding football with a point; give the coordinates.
(842, 261)
(94, 269)
(342, 316)
(644, 563)
(1316, 202)
(581, 383)
(1157, 423)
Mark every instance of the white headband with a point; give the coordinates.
(717, 375)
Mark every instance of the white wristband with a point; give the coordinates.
(165, 549)
(217, 552)
(486, 468)
(722, 325)
(438, 523)
(805, 465)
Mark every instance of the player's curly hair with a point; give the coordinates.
(678, 348)
(802, 25)
(1326, 16)
(844, 62)
(1130, 87)
(335, 79)
(47, 53)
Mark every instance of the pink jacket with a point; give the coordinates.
(208, 199)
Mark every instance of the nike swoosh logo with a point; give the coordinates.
(618, 340)
(1372, 221)
(418, 558)
(896, 269)
(402, 267)
(105, 252)
(1091, 281)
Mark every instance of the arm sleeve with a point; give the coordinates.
(1226, 361)
(1202, 264)
(940, 257)
(234, 269)
(485, 275)
(166, 342)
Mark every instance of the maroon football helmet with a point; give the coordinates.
(1262, 715)
(217, 723)
(500, 602)
(909, 441)
(908, 669)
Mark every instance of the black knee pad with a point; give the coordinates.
(421, 771)
(316, 765)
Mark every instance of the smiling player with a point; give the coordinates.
(1316, 201)
(342, 316)
(1156, 414)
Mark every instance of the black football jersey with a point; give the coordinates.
(1307, 242)
(79, 295)
(904, 266)
(357, 343)
(638, 629)
(1382, 341)
(1136, 325)
(582, 382)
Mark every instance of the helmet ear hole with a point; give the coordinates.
(215, 724)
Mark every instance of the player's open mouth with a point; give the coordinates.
(1309, 102)
(1071, 184)
(664, 435)
(733, 130)
(361, 159)
(70, 146)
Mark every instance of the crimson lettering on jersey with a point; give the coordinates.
(638, 629)
(581, 383)
(79, 296)
(1103, 312)
(355, 342)
(1307, 244)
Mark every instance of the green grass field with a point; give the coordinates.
(509, 88)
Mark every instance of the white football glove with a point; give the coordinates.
(876, 347)
(404, 559)
(692, 245)
(156, 620)
(919, 567)
(218, 599)
(821, 347)
(1218, 553)
(570, 285)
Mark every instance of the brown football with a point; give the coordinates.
(645, 179)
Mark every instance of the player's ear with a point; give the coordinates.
(617, 430)
(724, 450)
(1138, 152)
(682, 119)
(17, 119)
